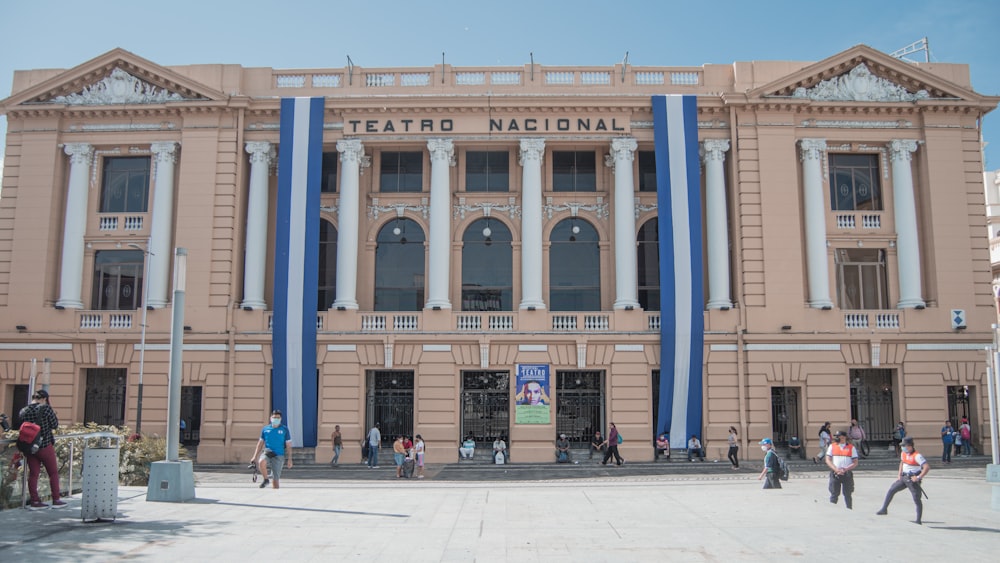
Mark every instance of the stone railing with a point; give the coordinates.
(878, 320)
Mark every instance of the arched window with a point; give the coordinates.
(648, 262)
(327, 265)
(399, 267)
(487, 267)
(574, 267)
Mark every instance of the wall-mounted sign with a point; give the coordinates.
(532, 403)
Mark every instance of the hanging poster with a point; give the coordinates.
(532, 404)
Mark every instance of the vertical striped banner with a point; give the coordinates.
(296, 259)
(678, 196)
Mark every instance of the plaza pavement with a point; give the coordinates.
(640, 512)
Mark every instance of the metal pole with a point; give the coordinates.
(995, 398)
(142, 339)
(990, 367)
(176, 356)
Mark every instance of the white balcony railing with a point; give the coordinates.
(98, 320)
(879, 320)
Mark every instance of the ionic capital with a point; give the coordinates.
(714, 149)
(164, 153)
(623, 149)
(442, 150)
(812, 149)
(531, 151)
(79, 153)
(261, 151)
(902, 149)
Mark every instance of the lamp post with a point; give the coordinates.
(142, 344)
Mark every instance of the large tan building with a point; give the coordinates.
(479, 225)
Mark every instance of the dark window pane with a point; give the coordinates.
(328, 182)
(861, 278)
(327, 266)
(574, 171)
(487, 267)
(401, 172)
(487, 171)
(647, 171)
(649, 265)
(125, 185)
(574, 267)
(118, 282)
(399, 267)
(855, 183)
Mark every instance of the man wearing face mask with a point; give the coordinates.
(913, 468)
(273, 448)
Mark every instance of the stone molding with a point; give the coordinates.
(119, 87)
(859, 85)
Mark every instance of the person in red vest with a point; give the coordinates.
(841, 458)
(913, 468)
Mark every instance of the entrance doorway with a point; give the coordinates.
(579, 405)
(104, 401)
(872, 403)
(486, 406)
(191, 415)
(959, 403)
(389, 399)
(19, 400)
(785, 419)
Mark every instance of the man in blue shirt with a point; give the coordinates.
(274, 447)
(947, 439)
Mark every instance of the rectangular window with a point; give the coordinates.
(125, 185)
(574, 171)
(118, 283)
(854, 183)
(647, 171)
(861, 278)
(402, 172)
(487, 171)
(329, 180)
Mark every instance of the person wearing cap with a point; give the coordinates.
(40, 412)
(913, 467)
(772, 467)
(273, 449)
(841, 458)
(562, 449)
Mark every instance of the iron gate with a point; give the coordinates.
(105, 396)
(655, 384)
(785, 422)
(958, 403)
(486, 405)
(579, 405)
(390, 403)
(872, 403)
(191, 414)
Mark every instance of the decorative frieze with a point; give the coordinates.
(487, 207)
(599, 209)
(375, 209)
(859, 85)
(119, 87)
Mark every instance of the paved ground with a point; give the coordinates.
(641, 512)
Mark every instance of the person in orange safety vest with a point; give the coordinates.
(841, 457)
(913, 468)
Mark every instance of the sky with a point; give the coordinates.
(292, 34)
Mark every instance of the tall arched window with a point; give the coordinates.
(574, 267)
(327, 265)
(399, 266)
(487, 267)
(648, 278)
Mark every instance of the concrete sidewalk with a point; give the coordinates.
(683, 517)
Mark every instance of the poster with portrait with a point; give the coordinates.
(531, 399)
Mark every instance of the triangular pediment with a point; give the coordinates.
(114, 78)
(862, 74)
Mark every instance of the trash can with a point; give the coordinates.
(100, 482)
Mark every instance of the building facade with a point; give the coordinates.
(481, 226)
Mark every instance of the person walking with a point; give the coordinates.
(857, 435)
(734, 448)
(913, 467)
(374, 439)
(338, 445)
(418, 447)
(824, 442)
(965, 432)
(842, 458)
(612, 444)
(273, 448)
(947, 440)
(897, 437)
(40, 412)
(772, 465)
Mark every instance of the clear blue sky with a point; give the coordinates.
(322, 33)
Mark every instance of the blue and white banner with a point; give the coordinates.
(678, 196)
(296, 259)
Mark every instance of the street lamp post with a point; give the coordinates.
(142, 344)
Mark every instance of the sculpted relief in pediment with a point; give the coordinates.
(859, 85)
(119, 87)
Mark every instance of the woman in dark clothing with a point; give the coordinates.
(40, 412)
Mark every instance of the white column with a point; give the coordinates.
(164, 156)
(352, 154)
(74, 226)
(714, 156)
(813, 151)
(905, 214)
(261, 155)
(531, 223)
(439, 270)
(626, 286)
